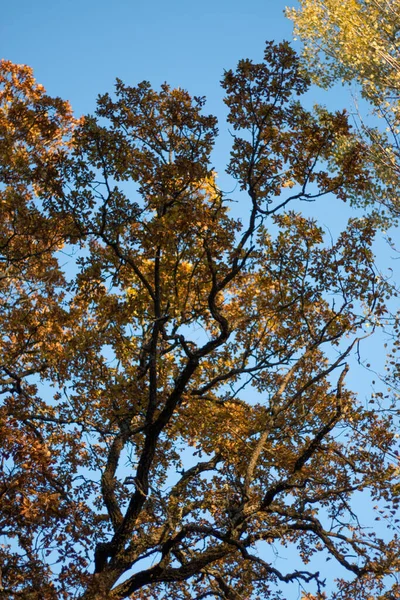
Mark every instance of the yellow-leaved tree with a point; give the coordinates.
(174, 381)
(358, 41)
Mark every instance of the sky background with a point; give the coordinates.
(78, 47)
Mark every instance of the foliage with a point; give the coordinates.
(353, 40)
(358, 41)
(175, 403)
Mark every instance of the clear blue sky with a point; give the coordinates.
(78, 47)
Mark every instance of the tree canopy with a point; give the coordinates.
(353, 40)
(174, 378)
(358, 42)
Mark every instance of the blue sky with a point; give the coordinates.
(78, 47)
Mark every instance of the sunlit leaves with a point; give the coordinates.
(358, 42)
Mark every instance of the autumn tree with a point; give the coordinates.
(34, 130)
(174, 378)
(357, 42)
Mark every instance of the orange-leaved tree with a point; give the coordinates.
(174, 380)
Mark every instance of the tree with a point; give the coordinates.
(358, 41)
(174, 400)
(34, 130)
(355, 40)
